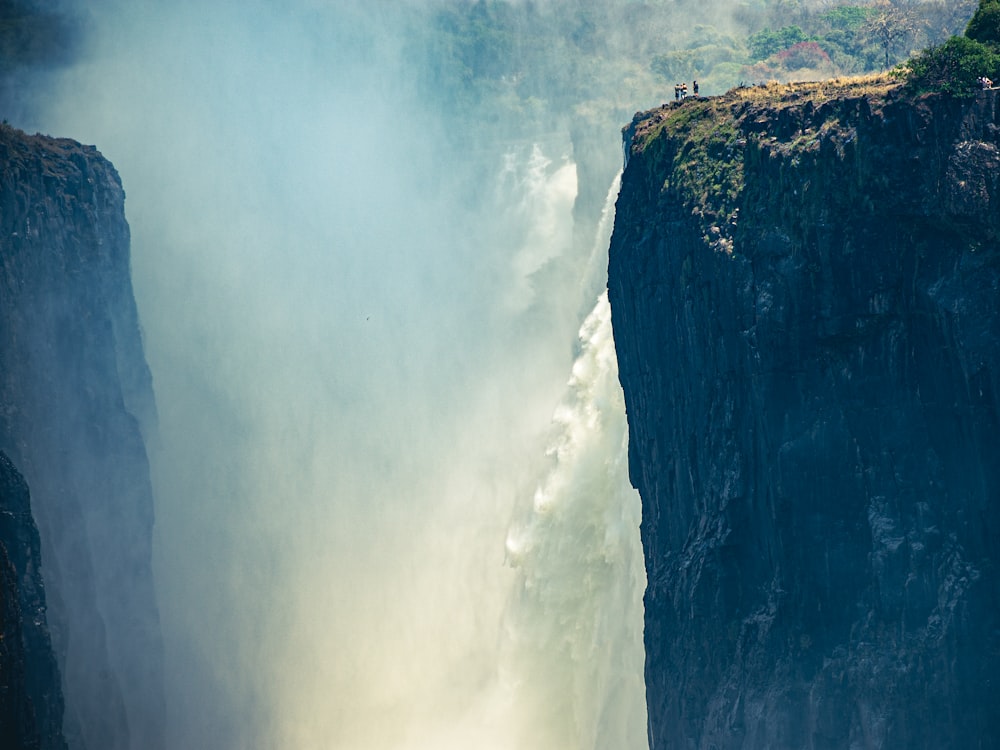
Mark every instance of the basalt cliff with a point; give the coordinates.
(75, 392)
(805, 291)
(31, 700)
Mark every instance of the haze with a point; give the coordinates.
(359, 332)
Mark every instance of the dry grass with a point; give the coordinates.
(774, 93)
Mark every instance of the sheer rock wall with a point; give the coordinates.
(805, 288)
(74, 388)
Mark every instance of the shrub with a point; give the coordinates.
(953, 68)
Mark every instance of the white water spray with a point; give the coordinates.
(356, 362)
(569, 667)
(573, 649)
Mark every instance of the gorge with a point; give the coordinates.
(381, 497)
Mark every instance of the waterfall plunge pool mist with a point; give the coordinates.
(475, 580)
(383, 518)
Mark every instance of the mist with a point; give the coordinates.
(360, 325)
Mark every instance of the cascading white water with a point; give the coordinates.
(568, 673)
(576, 607)
(573, 649)
(371, 532)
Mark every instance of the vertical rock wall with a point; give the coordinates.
(31, 701)
(805, 290)
(74, 387)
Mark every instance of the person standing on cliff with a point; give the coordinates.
(694, 87)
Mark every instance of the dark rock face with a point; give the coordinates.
(810, 353)
(31, 702)
(74, 387)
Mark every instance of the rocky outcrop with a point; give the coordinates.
(805, 287)
(74, 388)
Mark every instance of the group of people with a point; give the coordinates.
(985, 82)
(681, 90)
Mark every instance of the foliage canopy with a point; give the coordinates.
(765, 43)
(953, 67)
(957, 66)
(985, 24)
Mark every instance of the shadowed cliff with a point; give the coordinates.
(74, 388)
(31, 702)
(804, 284)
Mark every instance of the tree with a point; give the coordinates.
(985, 24)
(890, 24)
(846, 17)
(954, 67)
(765, 43)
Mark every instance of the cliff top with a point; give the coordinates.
(882, 146)
(9, 135)
(773, 96)
(60, 169)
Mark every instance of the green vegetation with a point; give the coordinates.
(710, 149)
(846, 17)
(957, 66)
(703, 152)
(533, 62)
(710, 166)
(527, 63)
(985, 24)
(765, 43)
(706, 48)
(953, 67)
(798, 40)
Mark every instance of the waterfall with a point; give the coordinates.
(371, 532)
(573, 649)
(568, 668)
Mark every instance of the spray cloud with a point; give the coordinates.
(358, 341)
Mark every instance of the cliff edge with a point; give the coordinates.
(74, 390)
(805, 291)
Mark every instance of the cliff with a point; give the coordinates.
(74, 387)
(31, 701)
(804, 285)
